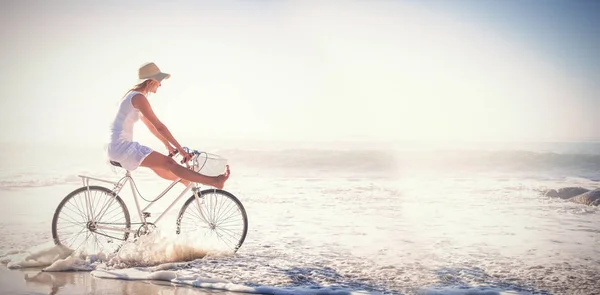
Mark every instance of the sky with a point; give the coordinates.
(305, 70)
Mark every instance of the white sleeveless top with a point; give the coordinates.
(127, 115)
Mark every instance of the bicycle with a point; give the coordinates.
(99, 219)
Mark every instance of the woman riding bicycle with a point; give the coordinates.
(130, 154)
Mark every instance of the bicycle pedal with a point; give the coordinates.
(146, 214)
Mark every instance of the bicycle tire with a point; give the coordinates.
(61, 239)
(204, 220)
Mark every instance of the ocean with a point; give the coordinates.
(379, 218)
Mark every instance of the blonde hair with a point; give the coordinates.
(142, 86)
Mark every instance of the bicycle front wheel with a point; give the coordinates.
(217, 217)
(92, 220)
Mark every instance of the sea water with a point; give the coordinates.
(370, 219)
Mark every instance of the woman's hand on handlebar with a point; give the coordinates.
(171, 149)
(186, 156)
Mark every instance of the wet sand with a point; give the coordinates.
(34, 281)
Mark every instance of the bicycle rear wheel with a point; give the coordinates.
(91, 220)
(218, 218)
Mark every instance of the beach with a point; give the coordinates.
(333, 222)
(375, 147)
(35, 281)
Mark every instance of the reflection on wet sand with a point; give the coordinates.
(35, 281)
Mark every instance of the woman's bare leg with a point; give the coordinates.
(168, 175)
(161, 162)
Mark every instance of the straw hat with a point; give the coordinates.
(151, 71)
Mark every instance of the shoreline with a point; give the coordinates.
(31, 281)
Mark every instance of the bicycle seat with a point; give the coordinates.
(115, 163)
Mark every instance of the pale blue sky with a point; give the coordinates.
(567, 33)
(305, 70)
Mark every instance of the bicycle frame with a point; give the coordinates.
(119, 186)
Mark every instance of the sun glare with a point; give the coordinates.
(377, 70)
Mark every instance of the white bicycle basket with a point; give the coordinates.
(210, 164)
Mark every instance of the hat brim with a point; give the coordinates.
(158, 77)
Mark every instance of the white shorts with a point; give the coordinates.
(129, 154)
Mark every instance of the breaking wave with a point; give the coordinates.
(367, 162)
(36, 181)
(382, 160)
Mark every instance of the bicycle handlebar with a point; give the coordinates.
(192, 152)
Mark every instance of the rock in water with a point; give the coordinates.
(568, 192)
(591, 198)
(551, 193)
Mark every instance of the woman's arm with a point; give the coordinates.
(154, 131)
(141, 103)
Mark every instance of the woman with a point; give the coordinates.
(130, 154)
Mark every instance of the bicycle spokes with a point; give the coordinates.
(218, 220)
(91, 220)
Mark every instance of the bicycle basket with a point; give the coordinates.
(210, 164)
